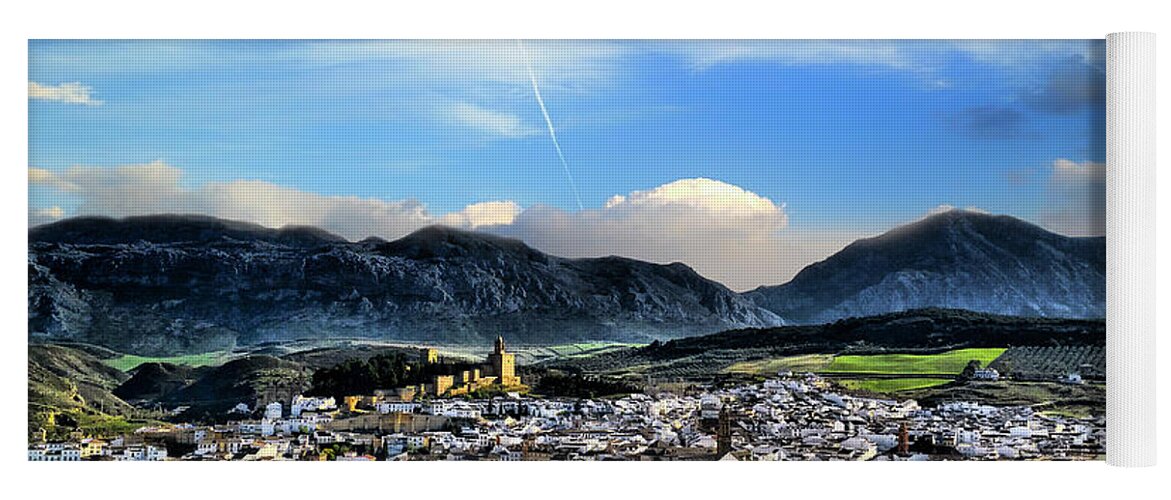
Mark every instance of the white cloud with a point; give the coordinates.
(702, 194)
(571, 65)
(69, 93)
(1025, 53)
(476, 215)
(158, 188)
(1075, 199)
(45, 177)
(1071, 173)
(38, 216)
(1021, 59)
(706, 54)
(486, 121)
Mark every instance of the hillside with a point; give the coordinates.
(69, 388)
(214, 390)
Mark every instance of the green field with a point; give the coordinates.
(770, 366)
(883, 386)
(107, 425)
(947, 363)
(127, 362)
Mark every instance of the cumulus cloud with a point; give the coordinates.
(489, 122)
(1068, 172)
(724, 232)
(69, 93)
(1075, 198)
(707, 195)
(489, 213)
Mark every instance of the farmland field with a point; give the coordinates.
(947, 363)
(575, 351)
(770, 366)
(883, 386)
(1053, 362)
(127, 362)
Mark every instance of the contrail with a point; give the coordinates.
(549, 123)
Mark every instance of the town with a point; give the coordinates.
(792, 416)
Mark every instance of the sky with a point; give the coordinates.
(746, 160)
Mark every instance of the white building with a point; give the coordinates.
(986, 374)
(54, 452)
(397, 407)
(273, 411)
(302, 403)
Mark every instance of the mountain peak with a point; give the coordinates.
(439, 241)
(955, 259)
(958, 220)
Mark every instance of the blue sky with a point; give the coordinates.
(841, 138)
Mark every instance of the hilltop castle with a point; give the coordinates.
(500, 369)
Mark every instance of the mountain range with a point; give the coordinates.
(171, 284)
(166, 284)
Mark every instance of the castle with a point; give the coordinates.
(500, 369)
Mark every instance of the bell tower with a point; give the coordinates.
(724, 433)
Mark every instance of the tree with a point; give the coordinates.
(970, 370)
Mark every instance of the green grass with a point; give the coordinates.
(885, 386)
(107, 425)
(128, 362)
(1070, 412)
(770, 366)
(947, 363)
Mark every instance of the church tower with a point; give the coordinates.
(724, 433)
(904, 440)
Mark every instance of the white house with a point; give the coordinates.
(986, 374)
(397, 407)
(273, 411)
(302, 403)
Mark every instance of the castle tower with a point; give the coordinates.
(502, 364)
